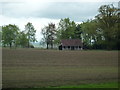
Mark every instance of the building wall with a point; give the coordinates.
(71, 48)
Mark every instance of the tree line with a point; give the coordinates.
(102, 32)
(13, 37)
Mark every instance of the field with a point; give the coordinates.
(35, 68)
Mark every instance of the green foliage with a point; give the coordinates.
(102, 32)
(12, 36)
(68, 30)
(108, 23)
(22, 39)
(78, 32)
(99, 33)
(0, 36)
(89, 31)
(9, 35)
(30, 32)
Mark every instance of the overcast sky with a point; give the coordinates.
(40, 13)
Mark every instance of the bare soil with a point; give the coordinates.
(28, 68)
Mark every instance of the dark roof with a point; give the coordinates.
(71, 42)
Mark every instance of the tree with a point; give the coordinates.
(22, 39)
(30, 32)
(108, 23)
(9, 35)
(78, 32)
(67, 30)
(102, 32)
(49, 33)
(45, 35)
(52, 32)
(89, 32)
(0, 35)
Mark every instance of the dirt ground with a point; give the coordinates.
(23, 68)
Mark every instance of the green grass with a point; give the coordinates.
(100, 85)
(109, 85)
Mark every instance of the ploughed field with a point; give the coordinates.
(35, 68)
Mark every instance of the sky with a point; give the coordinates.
(42, 12)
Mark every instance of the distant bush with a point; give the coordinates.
(31, 46)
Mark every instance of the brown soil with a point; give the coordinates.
(42, 68)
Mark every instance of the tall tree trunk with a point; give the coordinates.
(51, 45)
(28, 41)
(10, 44)
(28, 44)
(47, 45)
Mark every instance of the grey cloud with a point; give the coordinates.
(78, 11)
(75, 11)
